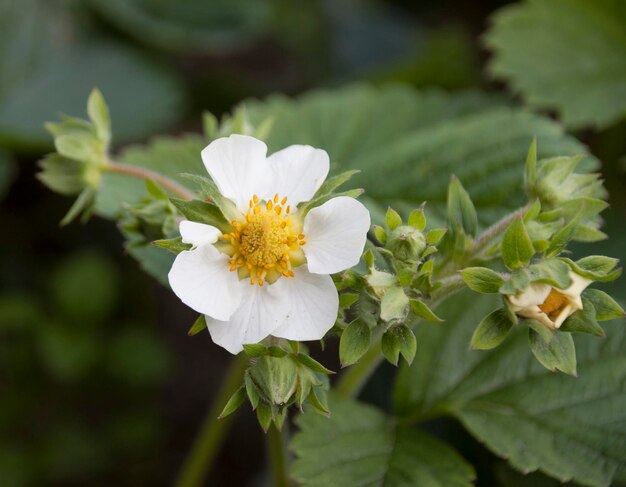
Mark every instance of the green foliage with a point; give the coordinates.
(568, 55)
(461, 212)
(399, 340)
(358, 445)
(570, 423)
(555, 350)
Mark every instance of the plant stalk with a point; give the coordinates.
(277, 450)
(206, 446)
(142, 173)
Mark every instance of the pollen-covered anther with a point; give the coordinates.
(263, 243)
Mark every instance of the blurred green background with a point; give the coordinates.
(99, 383)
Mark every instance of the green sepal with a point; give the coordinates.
(551, 271)
(98, 112)
(210, 192)
(605, 306)
(482, 279)
(317, 399)
(174, 245)
(235, 401)
(584, 320)
(264, 415)
(254, 350)
(461, 211)
(392, 219)
(399, 340)
(422, 311)
(198, 326)
(562, 237)
(517, 282)
(84, 147)
(380, 233)
(335, 182)
(202, 212)
(83, 204)
(554, 350)
(417, 219)
(517, 248)
(346, 300)
(276, 378)
(530, 172)
(252, 390)
(435, 235)
(312, 364)
(595, 267)
(355, 341)
(304, 208)
(492, 330)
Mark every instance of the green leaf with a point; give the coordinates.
(362, 447)
(355, 341)
(576, 63)
(482, 279)
(174, 245)
(461, 211)
(198, 326)
(492, 330)
(394, 304)
(331, 184)
(605, 306)
(234, 403)
(536, 419)
(517, 248)
(392, 219)
(554, 349)
(202, 212)
(420, 309)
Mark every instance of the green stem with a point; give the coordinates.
(143, 173)
(278, 456)
(213, 430)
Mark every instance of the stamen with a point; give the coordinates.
(276, 198)
(283, 201)
(255, 198)
(257, 210)
(269, 205)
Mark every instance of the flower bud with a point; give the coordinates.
(547, 304)
(406, 243)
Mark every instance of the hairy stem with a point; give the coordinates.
(277, 450)
(213, 431)
(485, 238)
(142, 173)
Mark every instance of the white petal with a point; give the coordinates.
(314, 303)
(239, 168)
(261, 311)
(535, 313)
(534, 295)
(201, 279)
(298, 172)
(335, 234)
(575, 289)
(565, 313)
(198, 234)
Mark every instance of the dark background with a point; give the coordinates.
(99, 383)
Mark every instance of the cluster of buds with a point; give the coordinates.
(278, 378)
(81, 154)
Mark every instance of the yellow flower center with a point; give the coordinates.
(266, 245)
(554, 303)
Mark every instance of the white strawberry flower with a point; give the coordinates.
(549, 305)
(271, 274)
